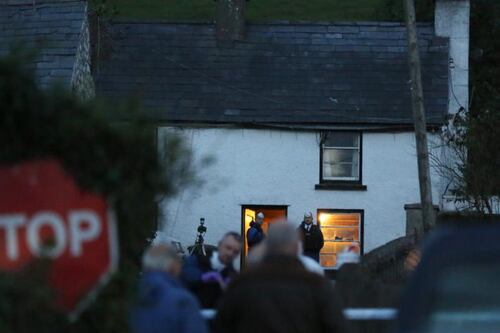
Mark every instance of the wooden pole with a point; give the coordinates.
(428, 216)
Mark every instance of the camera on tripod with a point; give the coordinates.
(199, 247)
(201, 228)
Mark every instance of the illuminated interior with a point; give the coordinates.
(272, 214)
(340, 231)
(249, 217)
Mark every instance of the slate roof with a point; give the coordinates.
(52, 28)
(282, 73)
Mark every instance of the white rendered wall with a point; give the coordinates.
(451, 19)
(270, 167)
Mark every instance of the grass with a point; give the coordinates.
(257, 10)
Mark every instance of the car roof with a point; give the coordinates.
(449, 245)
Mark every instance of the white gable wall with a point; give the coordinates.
(451, 19)
(274, 167)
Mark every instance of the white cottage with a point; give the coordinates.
(298, 117)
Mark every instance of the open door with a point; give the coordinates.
(272, 214)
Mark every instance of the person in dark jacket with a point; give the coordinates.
(163, 305)
(279, 295)
(208, 276)
(312, 237)
(255, 234)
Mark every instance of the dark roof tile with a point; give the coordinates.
(53, 29)
(280, 73)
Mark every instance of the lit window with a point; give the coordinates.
(341, 230)
(340, 155)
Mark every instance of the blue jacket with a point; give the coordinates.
(207, 292)
(255, 234)
(163, 305)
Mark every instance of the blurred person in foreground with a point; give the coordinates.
(412, 260)
(259, 252)
(278, 294)
(163, 305)
(208, 276)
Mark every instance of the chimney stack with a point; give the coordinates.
(230, 20)
(451, 20)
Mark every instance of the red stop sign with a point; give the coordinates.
(44, 213)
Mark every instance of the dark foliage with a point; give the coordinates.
(116, 159)
(483, 136)
(473, 134)
(394, 10)
(23, 295)
(101, 14)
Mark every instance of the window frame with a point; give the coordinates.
(361, 213)
(341, 180)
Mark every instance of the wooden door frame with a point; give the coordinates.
(242, 223)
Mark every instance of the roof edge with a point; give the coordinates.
(387, 24)
(366, 127)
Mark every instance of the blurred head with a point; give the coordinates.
(282, 238)
(412, 259)
(229, 247)
(308, 218)
(350, 255)
(259, 218)
(162, 257)
(256, 254)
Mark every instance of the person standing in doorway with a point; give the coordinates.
(255, 234)
(311, 236)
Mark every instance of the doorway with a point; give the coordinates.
(272, 214)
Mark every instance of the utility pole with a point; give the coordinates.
(230, 20)
(417, 98)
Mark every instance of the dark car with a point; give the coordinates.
(456, 286)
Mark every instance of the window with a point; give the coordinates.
(341, 229)
(341, 157)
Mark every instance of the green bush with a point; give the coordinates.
(117, 159)
(394, 10)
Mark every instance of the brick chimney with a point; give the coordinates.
(230, 20)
